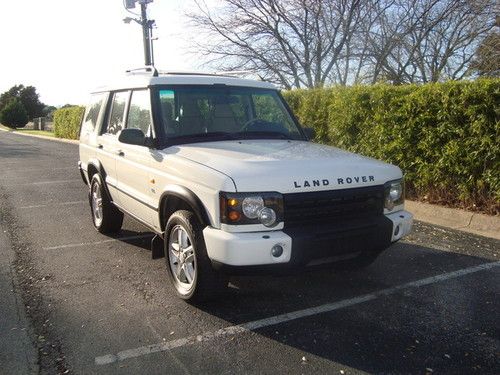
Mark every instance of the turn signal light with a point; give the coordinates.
(232, 202)
(234, 216)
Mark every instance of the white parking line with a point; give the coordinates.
(39, 169)
(99, 242)
(54, 204)
(50, 182)
(283, 318)
(44, 182)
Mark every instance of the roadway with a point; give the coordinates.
(101, 305)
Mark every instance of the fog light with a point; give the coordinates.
(277, 251)
(267, 216)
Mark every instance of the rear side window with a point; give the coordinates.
(117, 113)
(139, 114)
(92, 112)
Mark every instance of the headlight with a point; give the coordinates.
(267, 216)
(394, 194)
(251, 208)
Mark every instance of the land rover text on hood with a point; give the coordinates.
(220, 170)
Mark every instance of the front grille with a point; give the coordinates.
(332, 206)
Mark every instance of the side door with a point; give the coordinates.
(133, 164)
(107, 147)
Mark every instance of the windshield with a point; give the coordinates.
(208, 113)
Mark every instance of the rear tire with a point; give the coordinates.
(105, 216)
(188, 265)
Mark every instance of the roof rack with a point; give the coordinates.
(232, 73)
(146, 69)
(193, 74)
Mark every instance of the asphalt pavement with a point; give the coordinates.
(100, 305)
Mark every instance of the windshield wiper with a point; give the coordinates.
(226, 135)
(263, 134)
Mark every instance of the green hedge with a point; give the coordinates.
(67, 122)
(444, 136)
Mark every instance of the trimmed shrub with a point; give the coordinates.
(14, 115)
(444, 136)
(67, 122)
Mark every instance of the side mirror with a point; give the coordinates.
(309, 132)
(132, 137)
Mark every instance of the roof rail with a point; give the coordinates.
(146, 69)
(162, 72)
(232, 73)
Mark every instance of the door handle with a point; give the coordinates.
(100, 146)
(120, 153)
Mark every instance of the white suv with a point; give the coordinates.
(220, 169)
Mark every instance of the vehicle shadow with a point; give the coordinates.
(138, 239)
(407, 331)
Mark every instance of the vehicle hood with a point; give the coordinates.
(287, 166)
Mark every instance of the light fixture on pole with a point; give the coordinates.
(146, 26)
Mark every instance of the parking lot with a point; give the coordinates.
(430, 304)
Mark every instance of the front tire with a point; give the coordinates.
(105, 216)
(188, 265)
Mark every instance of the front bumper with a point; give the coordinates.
(305, 245)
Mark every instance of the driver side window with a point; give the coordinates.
(139, 115)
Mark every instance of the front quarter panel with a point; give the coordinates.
(171, 170)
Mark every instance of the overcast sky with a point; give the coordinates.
(65, 48)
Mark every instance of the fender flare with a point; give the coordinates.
(187, 196)
(101, 172)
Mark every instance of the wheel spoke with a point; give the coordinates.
(188, 272)
(189, 255)
(176, 247)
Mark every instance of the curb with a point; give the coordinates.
(454, 218)
(72, 141)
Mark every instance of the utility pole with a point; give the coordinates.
(146, 35)
(147, 26)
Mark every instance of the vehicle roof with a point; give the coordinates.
(134, 80)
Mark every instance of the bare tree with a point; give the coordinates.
(310, 43)
(294, 43)
(427, 40)
(486, 61)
